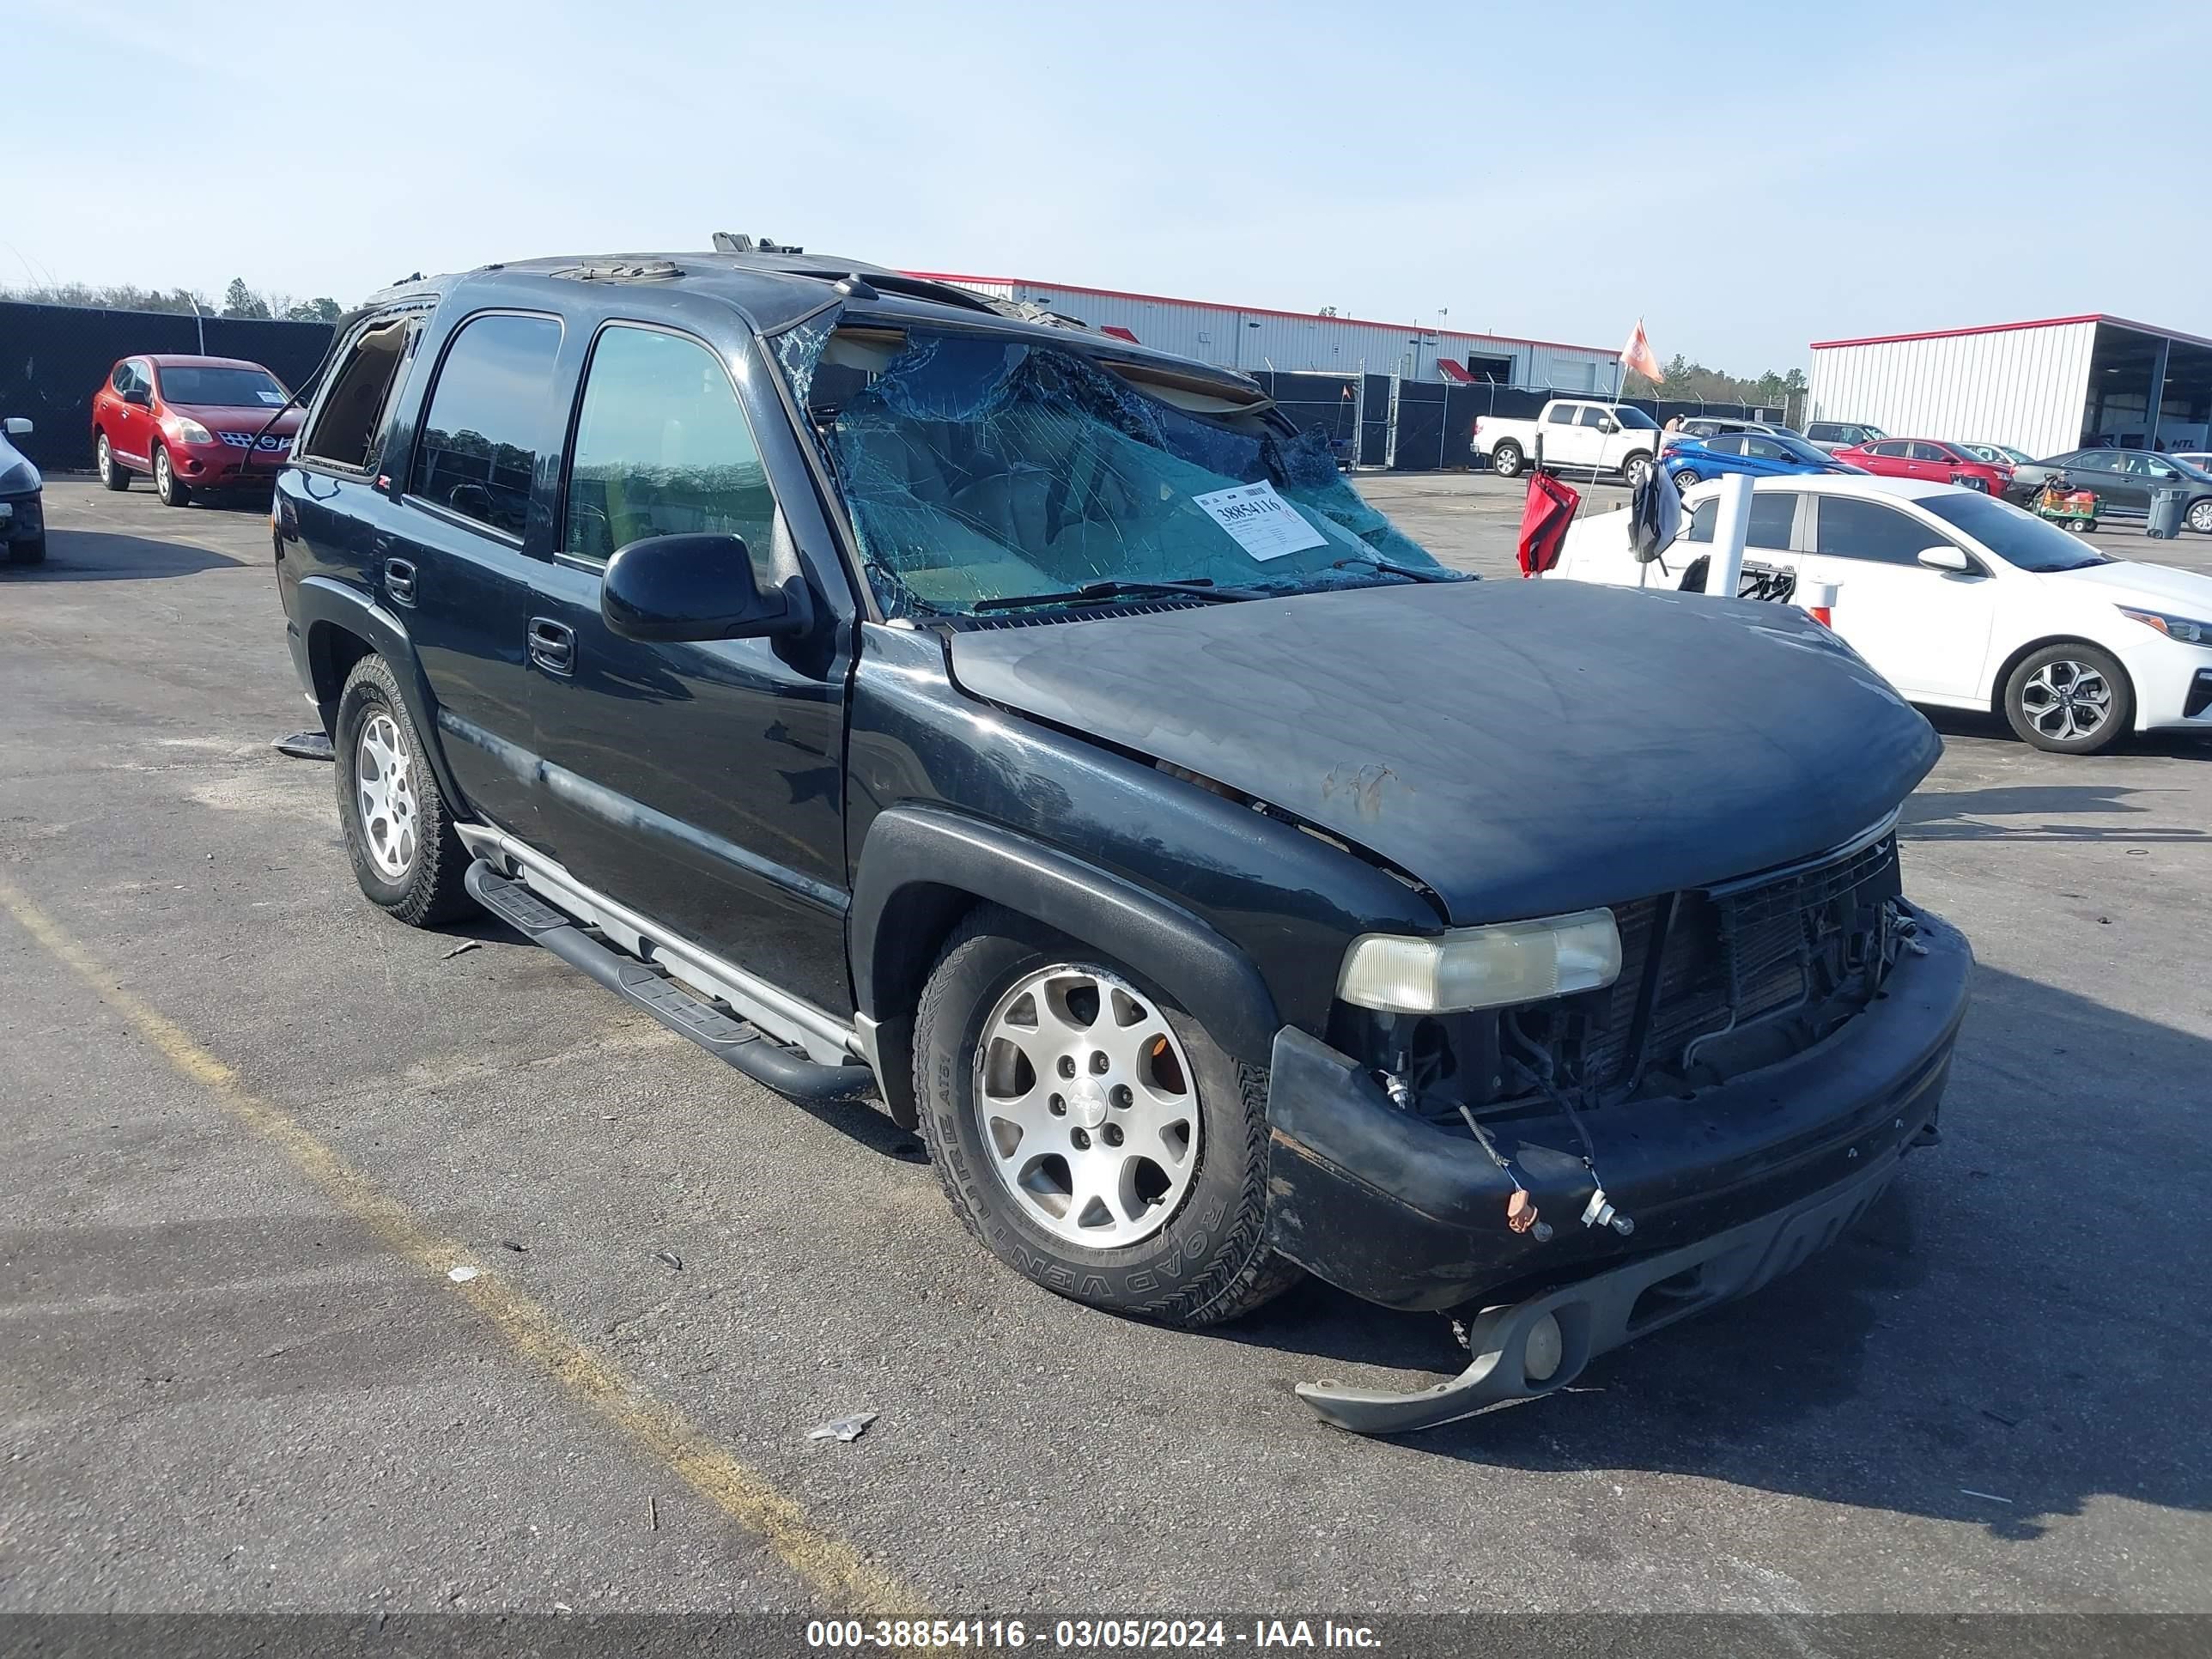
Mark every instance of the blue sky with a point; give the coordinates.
(1748, 178)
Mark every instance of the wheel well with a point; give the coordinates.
(916, 924)
(331, 652)
(2005, 668)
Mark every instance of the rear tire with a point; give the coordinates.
(1684, 477)
(398, 832)
(2069, 699)
(2200, 518)
(1505, 460)
(1196, 1251)
(112, 472)
(173, 490)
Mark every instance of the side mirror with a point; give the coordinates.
(668, 589)
(139, 397)
(17, 427)
(1946, 558)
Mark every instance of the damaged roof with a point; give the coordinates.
(775, 291)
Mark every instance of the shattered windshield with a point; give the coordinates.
(978, 468)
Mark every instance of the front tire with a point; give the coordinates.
(1635, 470)
(173, 490)
(398, 832)
(1089, 1132)
(2069, 699)
(33, 551)
(1505, 460)
(112, 473)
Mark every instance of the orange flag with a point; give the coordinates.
(1638, 356)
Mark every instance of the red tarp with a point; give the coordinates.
(1544, 520)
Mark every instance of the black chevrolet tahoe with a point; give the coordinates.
(899, 697)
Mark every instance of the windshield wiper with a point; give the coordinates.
(1200, 587)
(1390, 569)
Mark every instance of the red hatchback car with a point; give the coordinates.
(1929, 461)
(193, 422)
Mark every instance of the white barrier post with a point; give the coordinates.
(1731, 525)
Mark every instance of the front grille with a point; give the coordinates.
(1737, 953)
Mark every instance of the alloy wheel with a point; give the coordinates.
(2066, 700)
(1087, 1105)
(383, 790)
(2200, 518)
(106, 460)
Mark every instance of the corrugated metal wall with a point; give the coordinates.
(2023, 386)
(1256, 340)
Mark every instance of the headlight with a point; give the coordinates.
(1482, 967)
(192, 432)
(2177, 628)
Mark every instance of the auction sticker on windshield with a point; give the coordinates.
(1265, 525)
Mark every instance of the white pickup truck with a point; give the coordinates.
(1579, 435)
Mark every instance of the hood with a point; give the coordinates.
(1523, 748)
(2146, 586)
(228, 417)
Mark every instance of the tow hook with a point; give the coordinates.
(1600, 1212)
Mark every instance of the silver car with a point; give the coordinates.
(22, 502)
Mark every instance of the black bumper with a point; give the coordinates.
(26, 519)
(1394, 1210)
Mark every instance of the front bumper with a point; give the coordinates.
(22, 518)
(2172, 681)
(220, 466)
(1386, 1205)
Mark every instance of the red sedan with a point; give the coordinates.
(1931, 462)
(194, 424)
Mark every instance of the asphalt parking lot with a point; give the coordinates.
(254, 1126)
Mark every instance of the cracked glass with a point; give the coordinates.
(977, 467)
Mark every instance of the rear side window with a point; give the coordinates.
(663, 449)
(1772, 515)
(478, 446)
(1853, 529)
(349, 421)
(1561, 415)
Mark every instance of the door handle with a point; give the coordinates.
(399, 580)
(553, 645)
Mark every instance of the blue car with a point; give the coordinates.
(1762, 455)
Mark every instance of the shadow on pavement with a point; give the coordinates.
(2040, 812)
(98, 555)
(2021, 1316)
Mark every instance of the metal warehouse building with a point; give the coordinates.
(2041, 387)
(1256, 337)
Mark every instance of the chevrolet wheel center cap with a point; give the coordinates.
(1086, 1104)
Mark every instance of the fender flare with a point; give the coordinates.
(321, 602)
(917, 864)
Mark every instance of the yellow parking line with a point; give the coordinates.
(837, 1571)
